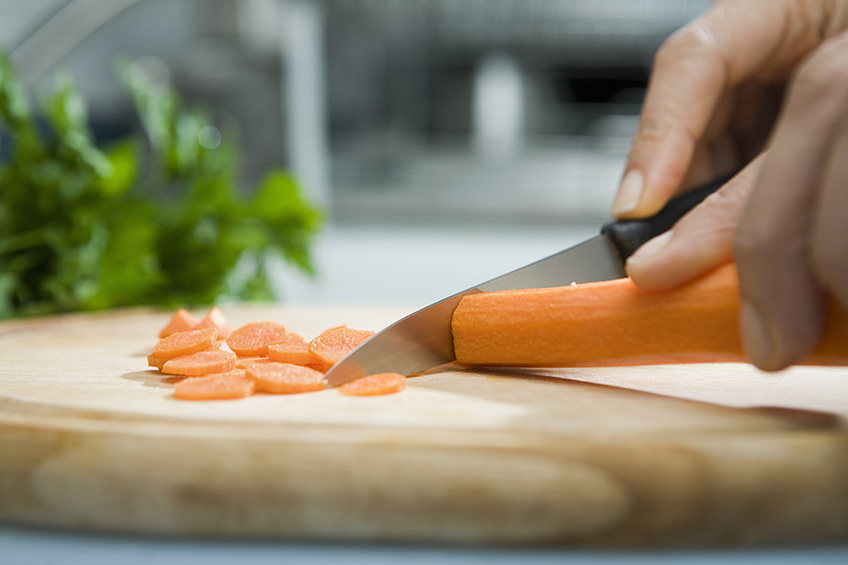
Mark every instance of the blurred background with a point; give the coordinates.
(448, 141)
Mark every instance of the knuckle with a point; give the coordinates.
(724, 202)
(749, 244)
(713, 218)
(718, 215)
(657, 133)
(830, 265)
(825, 73)
(691, 40)
(652, 130)
(765, 246)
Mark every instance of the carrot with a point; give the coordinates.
(214, 387)
(616, 323)
(153, 361)
(233, 373)
(215, 319)
(373, 385)
(221, 345)
(332, 345)
(285, 378)
(184, 343)
(200, 363)
(181, 321)
(245, 362)
(296, 353)
(253, 339)
(292, 337)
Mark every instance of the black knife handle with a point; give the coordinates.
(629, 235)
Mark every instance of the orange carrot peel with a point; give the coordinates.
(617, 323)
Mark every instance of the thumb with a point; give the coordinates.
(700, 241)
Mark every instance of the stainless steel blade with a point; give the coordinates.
(593, 260)
(424, 340)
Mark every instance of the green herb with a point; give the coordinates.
(85, 228)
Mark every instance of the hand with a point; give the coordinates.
(710, 109)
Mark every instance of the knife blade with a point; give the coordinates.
(423, 339)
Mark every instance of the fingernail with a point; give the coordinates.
(650, 249)
(756, 337)
(628, 193)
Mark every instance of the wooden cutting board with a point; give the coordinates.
(671, 455)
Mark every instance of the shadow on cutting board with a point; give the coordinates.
(561, 398)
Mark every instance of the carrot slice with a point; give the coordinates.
(214, 387)
(184, 343)
(244, 362)
(333, 344)
(234, 373)
(221, 345)
(215, 319)
(285, 378)
(617, 323)
(253, 339)
(181, 321)
(296, 353)
(200, 363)
(373, 385)
(153, 361)
(292, 337)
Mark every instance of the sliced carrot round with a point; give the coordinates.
(245, 362)
(181, 321)
(215, 319)
(285, 378)
(332, 345)
(184, 343)
(292, 337)
(294, 353)
(221, 345)
(201, 363)
(253, 339)
(153, 361)
(234, 373)
(214, 387)
(373, 385)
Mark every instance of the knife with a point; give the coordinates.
(423, 339)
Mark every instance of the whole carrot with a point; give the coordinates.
(616, 323)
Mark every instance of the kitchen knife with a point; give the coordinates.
(424, 340)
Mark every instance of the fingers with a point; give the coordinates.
(830, 237)
(687, 81)
(700, 241)
(783, 302)
(693, 70)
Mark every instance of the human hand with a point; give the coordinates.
(709, 110)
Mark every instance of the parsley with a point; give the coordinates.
(154, 219)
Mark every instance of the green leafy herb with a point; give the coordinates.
(85, 228)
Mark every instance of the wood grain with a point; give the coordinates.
(644, 456)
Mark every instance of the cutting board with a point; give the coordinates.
(90, 439)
